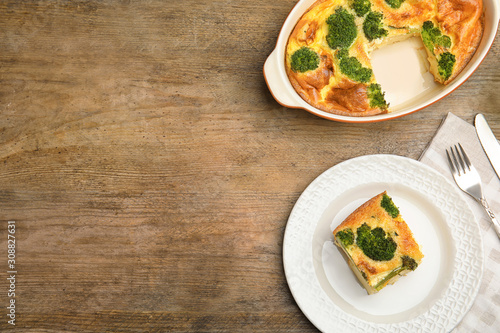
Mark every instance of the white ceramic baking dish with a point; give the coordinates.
(406, 92)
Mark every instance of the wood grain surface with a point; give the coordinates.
(151, 173)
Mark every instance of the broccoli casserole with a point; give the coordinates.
(327, 57)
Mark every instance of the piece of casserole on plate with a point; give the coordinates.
(378, 243)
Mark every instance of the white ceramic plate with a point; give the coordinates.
(408, 88)
(433, 298)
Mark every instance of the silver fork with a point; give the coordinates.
(468, 179)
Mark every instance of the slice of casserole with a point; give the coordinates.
(378, 243)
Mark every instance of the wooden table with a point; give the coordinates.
(149, 171)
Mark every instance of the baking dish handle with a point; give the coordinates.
(277, 82)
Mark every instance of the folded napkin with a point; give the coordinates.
(484, 315)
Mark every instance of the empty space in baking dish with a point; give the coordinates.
(402, 70)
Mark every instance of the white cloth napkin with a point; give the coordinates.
(484, 315)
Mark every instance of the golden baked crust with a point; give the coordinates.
(376, 274)
(328, 89)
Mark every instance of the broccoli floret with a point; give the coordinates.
(346, 236)
(432, 37)
(394, 3)
(407, 263)
(389, 206)
(444, 41)
(352, 68)
(304, 59)
(428, 25)
(342, 30)
(428, 32)
(372, 26)
(376, 97)
(361, 7)
(445, 65)
(375, 244)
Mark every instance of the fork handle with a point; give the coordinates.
(493, 219)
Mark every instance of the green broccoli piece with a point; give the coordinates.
(407, 263)
(345, 236)
(361, 7)
(374, 243)
(395, 3)
(372, 26)
(304, 59)
(432, 37)
(389, 206)
(342, 30)
(352, 68)
(428, 32)
(445, 65)
(376, 97)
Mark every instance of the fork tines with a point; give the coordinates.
(469, 181)
(458, 160)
